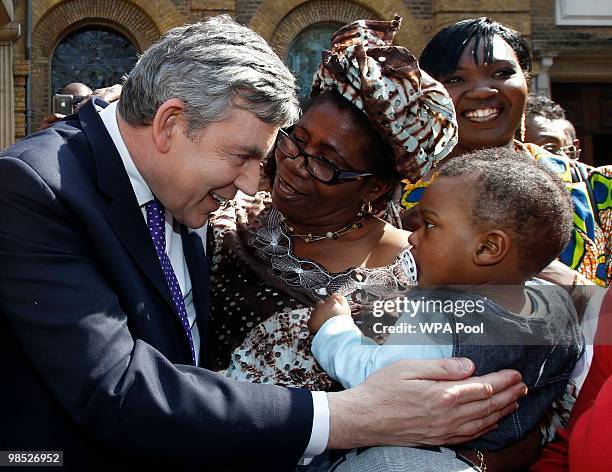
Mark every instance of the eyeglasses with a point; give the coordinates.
(570, 150)
(318, 166)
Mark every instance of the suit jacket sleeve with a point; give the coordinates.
(71, 326)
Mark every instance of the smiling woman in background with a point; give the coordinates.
(484, 65)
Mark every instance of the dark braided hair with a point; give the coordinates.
(513, 192)
(441, 55)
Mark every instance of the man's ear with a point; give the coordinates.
(377, 188)
(167, 123)
(492, 248)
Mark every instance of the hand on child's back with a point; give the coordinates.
(334, 305)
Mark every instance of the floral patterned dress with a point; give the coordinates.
(261, 295)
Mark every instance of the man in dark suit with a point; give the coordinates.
(104, 286)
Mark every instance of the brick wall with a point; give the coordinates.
(311, 13)
(514, 13)
(279, 22)
(54, 24)
(202, 9)
(419, 8)
(182, 6)
(245, 10)
(544, 28)
(142, 21)
(579, 53)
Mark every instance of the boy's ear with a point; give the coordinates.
(492, 248)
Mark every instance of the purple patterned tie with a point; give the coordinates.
(156, 222)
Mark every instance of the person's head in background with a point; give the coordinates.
(484, 66)
(547, 126)
(491, 216)
(76, 89)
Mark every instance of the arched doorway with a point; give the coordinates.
(94, 55)
(304, 54)
(140, 21)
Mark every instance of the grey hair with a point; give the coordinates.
(210, 66)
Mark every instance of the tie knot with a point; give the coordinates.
(155, 210)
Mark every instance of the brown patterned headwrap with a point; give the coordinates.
(411, 111)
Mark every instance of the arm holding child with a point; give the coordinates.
(348, 356)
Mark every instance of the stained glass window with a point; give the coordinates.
(95, 56)
(305, 52)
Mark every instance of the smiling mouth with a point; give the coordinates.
(286, 188)
(217, 198)
(483, 115)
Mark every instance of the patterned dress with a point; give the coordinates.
(260, 306)
(261, 295)
(590, 247)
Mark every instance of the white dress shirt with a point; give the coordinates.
(174, 243)
(174, 250)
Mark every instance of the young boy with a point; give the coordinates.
(489, 222)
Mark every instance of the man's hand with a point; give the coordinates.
(334, 305)
(430, 402)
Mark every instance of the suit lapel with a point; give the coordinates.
(124, 215)
(197, 265)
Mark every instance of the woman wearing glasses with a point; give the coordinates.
(484, 66)
(274, 255)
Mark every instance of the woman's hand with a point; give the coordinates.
(334, 305)
(579, 288)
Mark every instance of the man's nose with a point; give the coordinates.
(248, 181)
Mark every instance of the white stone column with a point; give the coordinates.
(543, 79)
(9, 32)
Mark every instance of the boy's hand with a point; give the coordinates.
(334, 305)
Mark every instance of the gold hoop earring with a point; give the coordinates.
(366, 209)
(523, 128)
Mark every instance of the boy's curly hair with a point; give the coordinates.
(513, 192)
